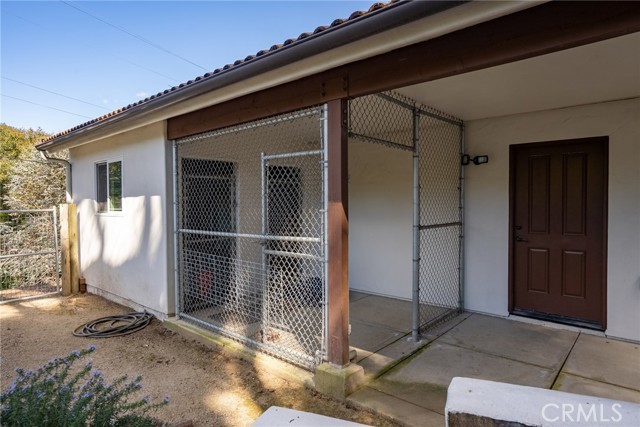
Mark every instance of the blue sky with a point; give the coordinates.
(56, 47)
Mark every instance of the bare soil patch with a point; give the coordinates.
(210, 386)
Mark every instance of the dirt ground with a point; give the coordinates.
(210, 386)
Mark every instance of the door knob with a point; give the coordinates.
(520, 238)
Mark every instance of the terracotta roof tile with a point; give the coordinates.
(317, 30)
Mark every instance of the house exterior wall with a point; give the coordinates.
(380, 219)
(487, 203)
(127, 256)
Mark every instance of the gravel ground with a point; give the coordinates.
(210, 386)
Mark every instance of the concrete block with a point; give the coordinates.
(278, 416)
(338, 382)
(488, 404)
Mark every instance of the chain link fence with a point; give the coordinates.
(28, 254)
(436, 139)
(439, 153)
(250, 212)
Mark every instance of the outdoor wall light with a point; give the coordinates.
(477, 160)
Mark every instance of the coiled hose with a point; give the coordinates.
(114, 326)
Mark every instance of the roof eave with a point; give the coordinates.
(392, 16)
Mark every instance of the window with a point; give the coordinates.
(109, 186)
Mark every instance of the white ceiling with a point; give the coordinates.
(599, 72)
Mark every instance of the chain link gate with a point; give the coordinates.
(28, 254)
(436, 141)
(439, 151)
(250, 212)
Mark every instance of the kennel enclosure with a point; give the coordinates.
(250, 212)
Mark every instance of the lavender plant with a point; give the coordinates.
(57, 395)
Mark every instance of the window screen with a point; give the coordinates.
(109, 186)
(101, 184)
(115, 186)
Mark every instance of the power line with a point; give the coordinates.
(45, 106)
(109, 54)
(142, 39)
(55, 93)
(148, 69)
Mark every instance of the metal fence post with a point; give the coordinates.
(415, 320)
(176, 234)
(461, 207)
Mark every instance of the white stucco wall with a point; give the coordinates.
(126, 255)
(380, 219)
(487, 203)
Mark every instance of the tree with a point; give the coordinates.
(35, 183)
(13, 143)
(26, 181)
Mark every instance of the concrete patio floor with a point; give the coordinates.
(408, 381)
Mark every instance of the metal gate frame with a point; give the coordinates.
(264, 237)
(386, 110)
(449, 305)
(39, 253)
(321, 240)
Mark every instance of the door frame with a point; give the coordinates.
(513, 148)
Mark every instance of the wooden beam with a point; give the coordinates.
(298, 94)
(540, 30)
(544, 29)
(338, 234)
(65, 251)
(69, 261)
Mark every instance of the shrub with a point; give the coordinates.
(57, 395)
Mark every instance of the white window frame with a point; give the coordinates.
(108, 210)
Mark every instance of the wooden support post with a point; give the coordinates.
(65, 259)
(69, 265)
(338, 234)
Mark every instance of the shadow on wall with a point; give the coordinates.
(123, 252)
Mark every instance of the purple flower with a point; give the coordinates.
(166, 399)
(91, 348)
(97, 373)
(146, 399)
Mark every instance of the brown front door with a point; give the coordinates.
(559, 193)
